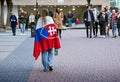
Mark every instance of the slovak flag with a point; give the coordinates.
(45, 39)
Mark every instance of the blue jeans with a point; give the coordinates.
(22, 27)
(47, 58)
(113, 27)
(70, 22)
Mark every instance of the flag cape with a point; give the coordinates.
(45, 39)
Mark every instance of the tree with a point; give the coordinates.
(9, 8)
(1, 13)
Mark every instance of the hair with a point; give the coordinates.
(105, 9)
(57, 10)
(44, 13)
(113, 10)
(88, 6)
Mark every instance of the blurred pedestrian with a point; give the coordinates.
(58, 18)
(107, 9)
(50, 13)
(103, 19)
(32, 24)
(70, 18)
(22, 22)
(113, 23)
(64, 20)
(88, 18)
(27, 20)
(13, 21)
(95, 26)
(31, 19)
(77, 21)
(37, 16)
(118, 22)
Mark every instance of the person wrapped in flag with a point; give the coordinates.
(46, 40)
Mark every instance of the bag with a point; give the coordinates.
(16, 22)
(56, 52)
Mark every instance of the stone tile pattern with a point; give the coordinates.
(82, 60)
(16, 63)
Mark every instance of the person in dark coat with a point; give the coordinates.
(103, 19)
(50, 13)
(70, 18)
(88, 18)
(27, 20)
(37, 16)
(13, 21)
(118, 22)
(64, 20)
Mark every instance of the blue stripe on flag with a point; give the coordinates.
(41, 33)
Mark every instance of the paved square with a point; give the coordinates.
(80, 59)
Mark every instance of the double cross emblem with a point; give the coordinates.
(52, 30)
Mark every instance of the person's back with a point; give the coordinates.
(49, 20)
(46, 39)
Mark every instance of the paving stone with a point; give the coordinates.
(80, 59)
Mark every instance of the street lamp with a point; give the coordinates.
(36, 7)
(88, 1)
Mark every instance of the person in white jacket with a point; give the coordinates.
(95, 26)
(32, 20)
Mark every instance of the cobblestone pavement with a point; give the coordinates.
(80, 60)
(16, 59)
(8, 42)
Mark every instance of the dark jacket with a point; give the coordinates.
(70, 15)
(22, 18)
(118, 20)
(85, 16)
(13, 20)
(103, 19)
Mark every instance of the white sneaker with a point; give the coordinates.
(20, 33)
(103, 36)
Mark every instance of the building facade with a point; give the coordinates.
(115, 3)
(77, 6)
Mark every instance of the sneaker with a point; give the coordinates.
(90, 36)
(102, 36)
(95, 36)
(45, 70)
(114, 36)
(14, 34)
(21, 34)
(50, 68)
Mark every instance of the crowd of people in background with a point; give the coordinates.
(25, 21)
(104, 19)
